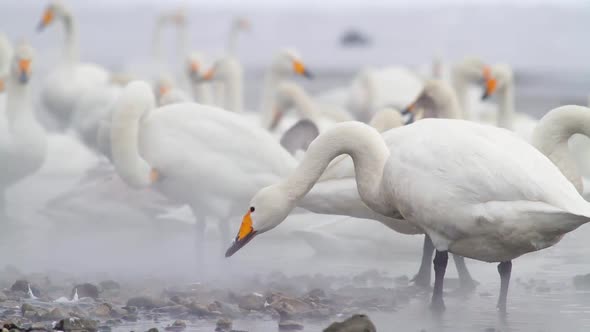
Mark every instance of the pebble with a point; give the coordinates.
(178, 325)
(356, 323)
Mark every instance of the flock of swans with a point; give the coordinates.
(413, 153)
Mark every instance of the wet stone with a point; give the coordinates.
(289, 325)
(178, 325)
(104, 328)
(103, 310)
(54, 314)
(76, 324)
(360, 323)
(250, 301)
(23, 286)
(85, 290)
(223, 325)
(199, 310)
(153, 329)
(3, 297)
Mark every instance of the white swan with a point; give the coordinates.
(23, 144)
(70, 79)
(173, 140)
(504, 200)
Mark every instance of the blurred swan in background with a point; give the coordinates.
(5, 60)
(229, 71)
(239, 25)
(394, 172)
(70, 79)
(291, 97)
(23, 142)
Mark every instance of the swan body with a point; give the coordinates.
(70, 79)
(23, 144)
(482, 201)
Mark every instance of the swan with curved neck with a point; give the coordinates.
(201, 92)
(437, 100)
(70, 79)
(458, 207)
(228, 72)
(23, 144)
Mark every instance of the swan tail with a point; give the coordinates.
(136, 100)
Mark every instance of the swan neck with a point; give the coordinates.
(182, 42)
(552, 135)
(304, 104)
(233, 90)
(460, 87)
(71, 52)
(157, 43)
(232, 41)
(18, 101)
(506, 106)
(125, 130)
(450, 107)
(369, 155)
(271, 80)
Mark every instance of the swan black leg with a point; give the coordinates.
(505, 269)
(422, 278)
(440, 265)
(465, 279)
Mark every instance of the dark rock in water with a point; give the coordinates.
(76, 324)
(354, 38)
(145, 302)
(23, 286)
(582, 282)
(26, 307)
(288, 307)
(85, 290)
(250, 301)
(356, 323)
(130, 317)
(109, 285)
(178, 325)
(223, 325)
(289, 325)
(153, 329)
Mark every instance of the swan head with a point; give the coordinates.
(222, 69)
(162, 86)
(194, 64)
(22, 64)
(55, 9)
(241, 24)
(435, 95)
(288, 62)
(269, 207)
(495, 78)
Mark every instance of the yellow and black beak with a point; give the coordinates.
(300, 69)
(193, 67)
(2, 87)
(490, 83)
(409, 109)
(24, 68)
(47, 18)
(245, 235)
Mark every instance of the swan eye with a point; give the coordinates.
(252, 209)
